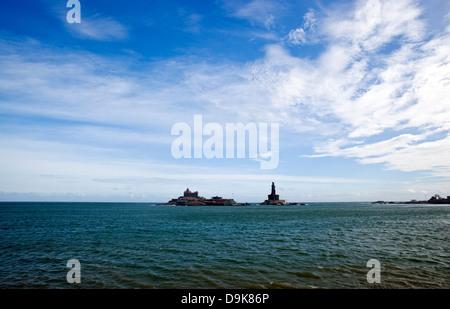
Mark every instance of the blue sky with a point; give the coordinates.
(360, 89)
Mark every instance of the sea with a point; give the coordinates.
(151, 246)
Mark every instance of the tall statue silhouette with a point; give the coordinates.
(273, 198)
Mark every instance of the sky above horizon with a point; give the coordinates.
(360, 90)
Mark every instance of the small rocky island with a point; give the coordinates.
(274, 199)
(193, 199)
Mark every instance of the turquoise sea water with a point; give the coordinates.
(146, 246)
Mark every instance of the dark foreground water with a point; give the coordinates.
(146, 246)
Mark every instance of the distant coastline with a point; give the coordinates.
(435, 199)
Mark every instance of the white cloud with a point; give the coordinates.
(297, 36)
(93, 25)
(374, 23)
(380, 72)
(192, 22)
(269, 21)
(259, 12)
(301, 35)
(80, 86)
(99, 28)
(370, 85)
(310, 19)
(380, 88)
